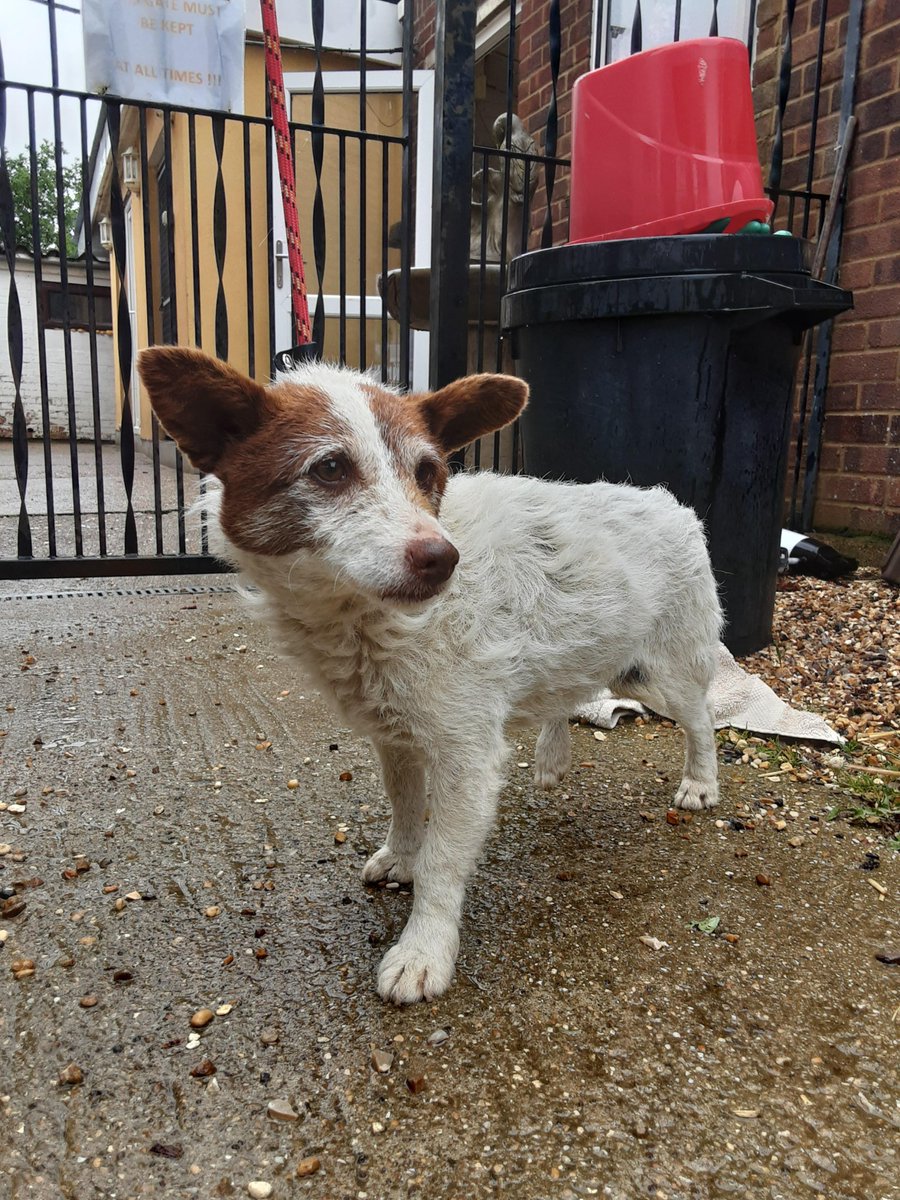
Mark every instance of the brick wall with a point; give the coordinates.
(859, 478)
(423, 33)
(30, 388)
(534, 87)
(535, 90)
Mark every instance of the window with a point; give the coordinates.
(75, 299)
(664, 21)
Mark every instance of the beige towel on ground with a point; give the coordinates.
(741, 701)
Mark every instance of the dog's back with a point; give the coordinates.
(573, 585)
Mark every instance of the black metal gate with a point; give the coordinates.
(163, 226)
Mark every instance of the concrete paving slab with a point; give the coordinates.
(166, 866)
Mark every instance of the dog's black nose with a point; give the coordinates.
(432, 560)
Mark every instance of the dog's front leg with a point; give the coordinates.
(404, 781)
(464, 790)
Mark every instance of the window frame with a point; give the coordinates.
(57, 288)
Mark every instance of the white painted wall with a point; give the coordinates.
(56, 363)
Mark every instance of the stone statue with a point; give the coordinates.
(491, 213)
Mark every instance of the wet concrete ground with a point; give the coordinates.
(155, 736)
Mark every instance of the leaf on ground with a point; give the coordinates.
(707, 925)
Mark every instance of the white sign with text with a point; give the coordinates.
(184, 52)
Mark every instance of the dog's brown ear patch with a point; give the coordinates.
(202, 402)
(471, 407)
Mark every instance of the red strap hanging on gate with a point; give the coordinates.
(275, 82)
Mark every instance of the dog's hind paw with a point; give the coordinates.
(413, 971)
(546, 777)
(387, 864)
(694, 794)
(552, 754)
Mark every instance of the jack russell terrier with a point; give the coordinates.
(437, 611)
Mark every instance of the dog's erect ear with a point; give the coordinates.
(471, 407)
(202, 403)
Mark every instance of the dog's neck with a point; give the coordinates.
(323, 606)
(358, 648)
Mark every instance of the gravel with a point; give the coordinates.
(836, 651)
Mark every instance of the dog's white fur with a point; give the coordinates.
(560, 590)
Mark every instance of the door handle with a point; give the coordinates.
(280, 256)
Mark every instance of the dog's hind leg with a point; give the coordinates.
(552, 754)
(686, 701)
(688, 704)
(465, 784)
(404, 781)
(699, 786)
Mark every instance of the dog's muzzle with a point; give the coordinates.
(429, 564)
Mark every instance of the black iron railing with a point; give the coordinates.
(93, 496)
(109, 499)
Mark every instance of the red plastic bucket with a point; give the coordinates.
(664, 142)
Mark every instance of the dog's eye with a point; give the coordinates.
(426, 475)
(331, 470)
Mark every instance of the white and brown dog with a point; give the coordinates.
(438, 611)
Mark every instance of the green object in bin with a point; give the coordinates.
(751, 229)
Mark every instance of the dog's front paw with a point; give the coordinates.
(694, 794)
(387, 864)
(417, 969)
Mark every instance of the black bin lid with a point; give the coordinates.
(695, 254)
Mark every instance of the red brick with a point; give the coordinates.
(867, 429)
(870, 147)
(881, 47)
(767, 39)
(877, 177)
(887, 270)
(766, 67)
(840, 517)
(884, 333)
(849, 336)
(857, 368)
(871, 460)
(870, 520)
(879, 395)
(879, 113)
(837, 8)
(877, 302)
(862, 209)
(831, 70)
(828, 131)
(890, 205)
(855, 489)
(533, 22)
(856, 275)
(799, 109)
(830, 459)
(877, 13)
(765, 97)
(806, 46)
(877, 82)
(873, 242)
(843, 397)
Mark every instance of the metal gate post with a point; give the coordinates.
(452, 189)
